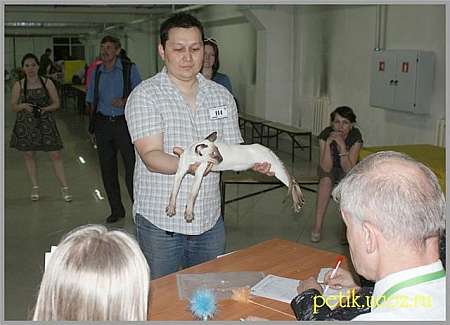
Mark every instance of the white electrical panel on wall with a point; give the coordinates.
(402, 80)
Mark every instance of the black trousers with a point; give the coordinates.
(112, 135)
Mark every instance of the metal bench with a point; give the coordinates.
(292, 131)
(255, 178)
(256, 124)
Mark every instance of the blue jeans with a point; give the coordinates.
(166, 252)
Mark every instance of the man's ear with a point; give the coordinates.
(370, 236)
(161, 51)
(212, 137)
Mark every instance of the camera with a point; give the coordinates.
(36, 111)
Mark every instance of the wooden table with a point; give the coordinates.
(78, 92)
(430, 155)
(276, 256)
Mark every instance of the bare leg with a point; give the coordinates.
(58, 167)
(323, 198)
(30, 163)
(181, 171)
(189, 212)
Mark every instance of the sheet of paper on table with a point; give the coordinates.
(276, 287)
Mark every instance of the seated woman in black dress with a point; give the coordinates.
(340, 144)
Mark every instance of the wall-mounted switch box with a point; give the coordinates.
(402, 80)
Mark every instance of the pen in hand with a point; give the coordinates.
(333, 273)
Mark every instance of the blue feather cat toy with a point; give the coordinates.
(203, 304)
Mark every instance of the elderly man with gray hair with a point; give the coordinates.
(393, 207)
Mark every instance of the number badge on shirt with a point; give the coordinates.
(217, 113)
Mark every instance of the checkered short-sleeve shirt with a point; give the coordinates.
(157, 106)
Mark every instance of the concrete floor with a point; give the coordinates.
(32, 227)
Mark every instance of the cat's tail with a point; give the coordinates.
(297, 195)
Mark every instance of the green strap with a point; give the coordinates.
(411, 282)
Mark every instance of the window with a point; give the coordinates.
(68, 48)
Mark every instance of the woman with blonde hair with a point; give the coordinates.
(95, 274)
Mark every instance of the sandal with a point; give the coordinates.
(66, 194)
(315, 237)
(34, 196)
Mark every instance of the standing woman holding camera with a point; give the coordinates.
(35, 99)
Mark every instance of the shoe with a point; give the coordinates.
(113, 218)
(66, 194)
(34, 196)
(315, 237)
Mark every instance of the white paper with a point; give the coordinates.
(48, 255)
(219, 256)
(277, 288)
(321, 276)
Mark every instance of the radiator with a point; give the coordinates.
(321, 117)
(439, 133)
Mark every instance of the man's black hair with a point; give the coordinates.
(48, 50)
(179, 20)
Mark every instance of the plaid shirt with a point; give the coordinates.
(157, 106)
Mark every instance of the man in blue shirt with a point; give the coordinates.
(109, 125)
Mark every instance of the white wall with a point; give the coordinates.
(348, 40)
(311, 53)
(140, 45)
(24, 45)
(275, 62)
(298, 53)
(237, 48)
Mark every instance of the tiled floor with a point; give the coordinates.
(32, 227)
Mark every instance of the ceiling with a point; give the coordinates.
(26, 20)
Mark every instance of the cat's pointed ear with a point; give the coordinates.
(212, 137)
(199, 147)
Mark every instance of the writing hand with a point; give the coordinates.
(309, 283)
(342, 278)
